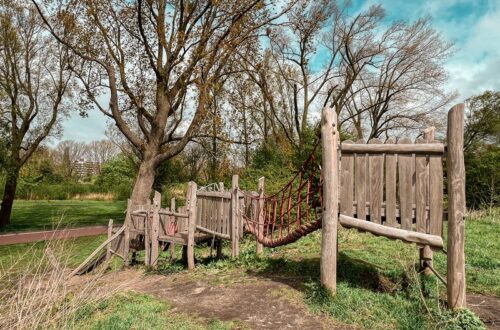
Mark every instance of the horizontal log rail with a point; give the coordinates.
(390, 232)
(175, 214)
(219, 194)
(211, 232)
(389, 148)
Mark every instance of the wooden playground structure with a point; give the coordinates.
(393, 189)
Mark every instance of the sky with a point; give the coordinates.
(472, 25)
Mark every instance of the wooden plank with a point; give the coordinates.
(376, 168)
(393, 233)
(213, 233)
(155, 228)
(456, 208)
(260, 225)
(330, 165)
(110, 233)
(390, 187)
(192, 209)
(128, 226)
(217, 194)
(429, 148)
(93, 254)
(360, 182)
(421, 180)
(235, 244)
(435, 195)
(405, 186)
(347, 183)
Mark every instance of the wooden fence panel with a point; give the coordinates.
(376, 175)
(421, 181)
(347, 184)
(360, 181)
(390, 187)
(435, 195)
(405, 186)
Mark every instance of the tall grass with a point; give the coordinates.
(36, 292)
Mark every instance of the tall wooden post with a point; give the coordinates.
(110, 233)
(426, 254)
(330, 167)
(456, 207)
(235, 244)
(191, 223)
(128, 225)
(260, 224)
(155, 229)
(172, 244)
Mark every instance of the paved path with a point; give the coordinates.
(34, 236)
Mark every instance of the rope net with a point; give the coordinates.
(291, 213)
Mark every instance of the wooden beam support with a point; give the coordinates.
(330, 166)
(456, 208)
(234, 223)
(260, 225)
(388, 148)
(391, 232)
(191, 204)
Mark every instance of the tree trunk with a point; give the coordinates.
(144, 182)
(8, 197)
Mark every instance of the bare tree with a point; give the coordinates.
(101, 151)
(67, 153)
(33, 82)
(152, 58)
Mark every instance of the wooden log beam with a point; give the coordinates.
(213, 233)
(260, 226)
(391, 232)
(99, 248)
(389, 148)
(456, 208)
(330, 165)
(221, 194)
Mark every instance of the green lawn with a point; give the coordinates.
(378, 282)
(39, 215)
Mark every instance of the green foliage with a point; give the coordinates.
(458, 320)
(482, 150)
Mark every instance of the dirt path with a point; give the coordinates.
(256, 302)
(35, 236)
(486, 307)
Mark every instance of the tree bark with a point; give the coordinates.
(8, 197)
(144, 182)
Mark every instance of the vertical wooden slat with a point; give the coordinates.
(376, 168)
(405, 186)
(171, 219)
(360, 184)
(235, 244)
(347, 184)
(128, 226)
(110, 233)
(390, 187)
(191, 204)
(435, 195)
(260, 226)
(155, 227)
(421, 180)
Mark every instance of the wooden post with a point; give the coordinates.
(147, 235)
(235, 244)
(330, 167)
(155, 228)
(128, 224)
(456, 208)
(191, 204)
(110, 233)
(172, 244)
(426, 254)
(260, 225)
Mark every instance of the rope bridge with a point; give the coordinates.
(291, 213)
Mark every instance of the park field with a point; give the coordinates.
(51, 214)
(379, 286)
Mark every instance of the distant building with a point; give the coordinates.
(85, 168)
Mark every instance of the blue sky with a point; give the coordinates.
(474, 27)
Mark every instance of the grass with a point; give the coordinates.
(138, 311)
(379, 286)
(50, 214)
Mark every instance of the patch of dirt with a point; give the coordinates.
(256, 302)
(486, 307)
